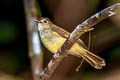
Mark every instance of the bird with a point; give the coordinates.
(53, 37)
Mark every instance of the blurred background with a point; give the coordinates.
(105, 39)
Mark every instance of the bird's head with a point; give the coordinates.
(43, 24)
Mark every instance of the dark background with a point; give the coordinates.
(14, 45)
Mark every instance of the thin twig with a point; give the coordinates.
(77, 69)
(89, 40)
(35, 51)
(74, 36)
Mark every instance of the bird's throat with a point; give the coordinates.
(47, 33)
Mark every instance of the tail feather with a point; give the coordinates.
(93, 60)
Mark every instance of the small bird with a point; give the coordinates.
(53, 37)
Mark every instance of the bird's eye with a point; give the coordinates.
(45, 21)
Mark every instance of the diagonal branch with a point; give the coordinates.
(74, 36)
(66, 34)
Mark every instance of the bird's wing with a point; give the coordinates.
(66, 34)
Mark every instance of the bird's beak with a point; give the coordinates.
(36, 21)
(39, 27)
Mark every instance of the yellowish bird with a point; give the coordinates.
(53, 38)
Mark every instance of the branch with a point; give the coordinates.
(74, 36)
(66, 34)
(35, 51)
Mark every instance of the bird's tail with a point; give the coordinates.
(93, 59)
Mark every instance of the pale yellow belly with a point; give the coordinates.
(56, 42)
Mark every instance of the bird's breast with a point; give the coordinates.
(53, 42)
